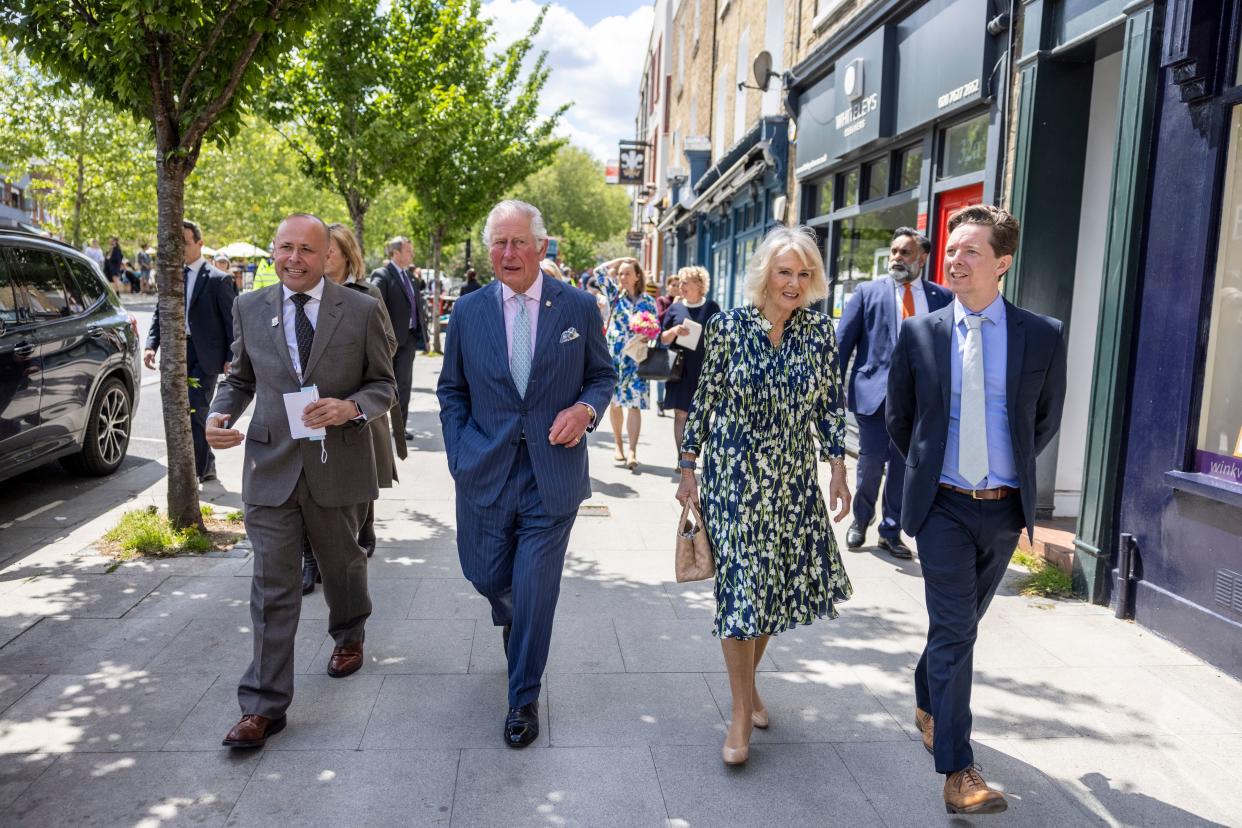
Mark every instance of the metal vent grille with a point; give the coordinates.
(1229, 589)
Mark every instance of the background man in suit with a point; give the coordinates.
(525, 372)
(306, 331)
(974, 395)
(209, 295)
(868, 333)
(404, 302)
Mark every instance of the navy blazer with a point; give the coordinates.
(869, 326)
(388, 280)
(919, 388)
(483, 416)
(210, 318)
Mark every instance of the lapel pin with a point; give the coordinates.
(275, 321)
(548, 303)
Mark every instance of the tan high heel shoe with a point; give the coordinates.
(632, 462)
(735, 756)
(760, 719)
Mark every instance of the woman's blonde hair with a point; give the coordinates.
(779, 240)
(345, 239)
(696, 273)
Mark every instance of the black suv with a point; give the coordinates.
(69, 363)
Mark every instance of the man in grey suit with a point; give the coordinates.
(306, 331)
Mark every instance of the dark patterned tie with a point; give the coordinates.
(302, 327)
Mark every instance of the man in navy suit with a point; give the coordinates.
(526, 371)
(209, 295)
(404, 302)
(868, 333)
(975, 393)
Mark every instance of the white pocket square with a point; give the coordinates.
(569, 335)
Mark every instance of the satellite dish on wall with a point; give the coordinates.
(763, 69)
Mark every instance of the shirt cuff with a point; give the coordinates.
(362, 417)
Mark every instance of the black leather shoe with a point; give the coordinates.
(896, 548)
(310, 574)
(522, 725)
(856, 536)
(506, 631)
(409, 435)
(369, 548)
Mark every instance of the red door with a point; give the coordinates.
(946, 204)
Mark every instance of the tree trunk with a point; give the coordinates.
(437, 242)
(358, 216)
(78, 194)
(171, 171)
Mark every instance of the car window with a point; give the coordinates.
(41, 281)
(11, 310)
(85, 280)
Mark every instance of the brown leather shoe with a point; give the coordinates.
(252, 731)
(345, 660)
(927, 727)
(965, 792)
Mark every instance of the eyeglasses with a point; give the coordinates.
(519, 243)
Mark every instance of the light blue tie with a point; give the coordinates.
(519, 357)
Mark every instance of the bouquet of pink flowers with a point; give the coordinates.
(645, 324)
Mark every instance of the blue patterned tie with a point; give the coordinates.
(519, 358)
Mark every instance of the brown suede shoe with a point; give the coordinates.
(345, 660)
(927, 727)
(965, 792)
(252, 731)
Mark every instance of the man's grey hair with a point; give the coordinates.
(513, 207)
(394, 244)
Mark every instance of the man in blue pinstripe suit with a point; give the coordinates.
(525, 372)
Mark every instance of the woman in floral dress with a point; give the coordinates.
(626, 296)
(770, 389)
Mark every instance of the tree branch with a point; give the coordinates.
(85, 14)
(207, 49)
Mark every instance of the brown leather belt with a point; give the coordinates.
(999, 493)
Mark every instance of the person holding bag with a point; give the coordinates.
(770, 389)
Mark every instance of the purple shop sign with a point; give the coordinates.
(1219, 465)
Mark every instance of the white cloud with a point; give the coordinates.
(596, 67)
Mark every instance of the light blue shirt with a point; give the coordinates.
(1002, 471)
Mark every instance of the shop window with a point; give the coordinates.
(910, 168)
(964, 148)
(826, 205)
(862, 245)
(847, 184)
(877, 179)
(1220, 424)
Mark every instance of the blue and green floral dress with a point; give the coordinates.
(756, 417)
(631, 391)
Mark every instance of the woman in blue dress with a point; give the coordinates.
(693, 307)
(624, 285)
(770, 391)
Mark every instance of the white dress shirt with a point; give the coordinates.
(288, 310)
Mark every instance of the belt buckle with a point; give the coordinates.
(974, 494)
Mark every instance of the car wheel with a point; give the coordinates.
(107, 432)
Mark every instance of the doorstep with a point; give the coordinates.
(1054, 542)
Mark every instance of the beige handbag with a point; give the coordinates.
(694, 550)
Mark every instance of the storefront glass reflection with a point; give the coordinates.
(965, 148)
(862, 245)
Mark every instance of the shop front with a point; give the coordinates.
(1180, 510)
(893, 129)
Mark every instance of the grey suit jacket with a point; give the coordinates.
(349, 360)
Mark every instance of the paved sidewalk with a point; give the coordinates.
(116, 686)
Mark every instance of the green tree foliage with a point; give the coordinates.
(91, 165)
(571, 193)
(187, 68)
(483, 129)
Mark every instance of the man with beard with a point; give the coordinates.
(868, 332)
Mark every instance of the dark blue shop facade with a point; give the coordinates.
(1179, 516)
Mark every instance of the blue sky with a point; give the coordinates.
(595, 52)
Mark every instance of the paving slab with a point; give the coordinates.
(404, 647)
(119, 712)
(634, 708)
(829, 706)
(449, 598)
(443, 712)
(18, 772)
(612, 597)
(13, 687)
(901, 782)
(197, 596)
(326, 714)
(598, 787)
(579, 645)
(779, 785)
(81, 646)
(413, 560)
(140, 789)
(390, 599)
(326, 787)
(671, 646)
(226, 645)
(79, 595)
